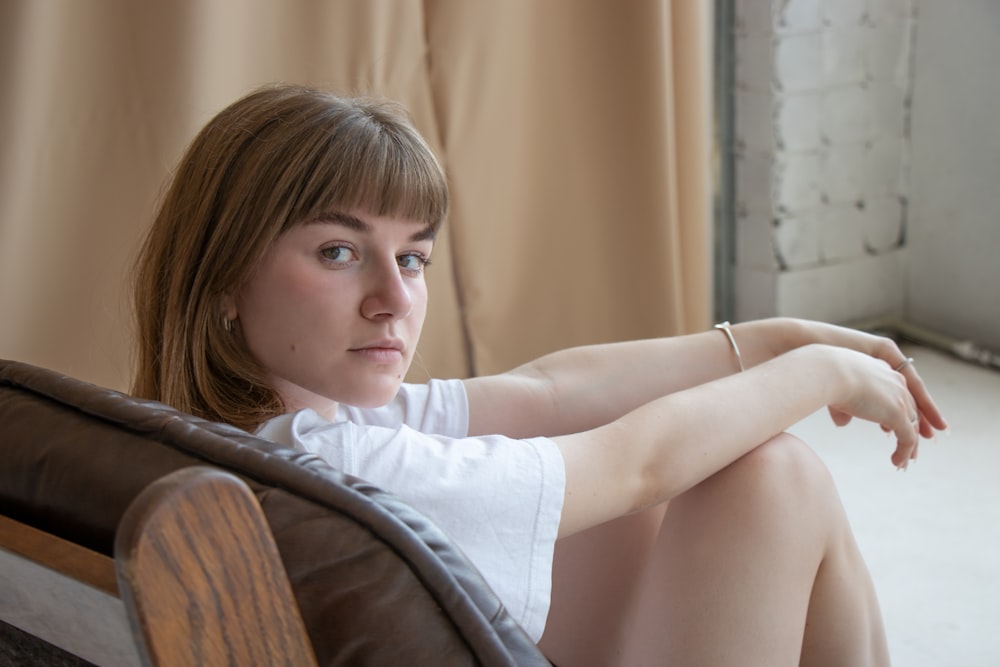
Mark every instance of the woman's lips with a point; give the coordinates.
(381, 353)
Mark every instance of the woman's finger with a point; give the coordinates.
(907, 430)
(931, 417)
(839, 417)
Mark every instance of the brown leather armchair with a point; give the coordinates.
(375, 582)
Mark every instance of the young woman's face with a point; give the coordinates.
(334, 310)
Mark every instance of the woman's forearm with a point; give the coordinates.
(687, 436)
(593, 385)
(581, 388)
(667, 446)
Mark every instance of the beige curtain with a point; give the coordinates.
(576, 134)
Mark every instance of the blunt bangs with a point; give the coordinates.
(363, 155)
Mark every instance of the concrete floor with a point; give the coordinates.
(931, 535)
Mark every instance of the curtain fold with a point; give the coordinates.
(575, 221)
(575, 134)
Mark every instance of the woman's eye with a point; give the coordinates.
(413, 262)
(337, 254)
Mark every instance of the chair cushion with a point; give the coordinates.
(376, 582)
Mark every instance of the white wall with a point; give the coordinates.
(821, 173)
(954, 223)
(867, 162)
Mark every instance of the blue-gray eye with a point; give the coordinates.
(413, 262)
(338, 254)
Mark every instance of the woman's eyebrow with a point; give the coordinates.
(355, 223)
(428, 233)
(344, 219)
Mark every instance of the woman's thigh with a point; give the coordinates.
(596, 582)
(622, 589)
(735, 565)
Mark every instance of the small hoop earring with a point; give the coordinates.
(227, 324)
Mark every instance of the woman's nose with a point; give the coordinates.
(387, 294)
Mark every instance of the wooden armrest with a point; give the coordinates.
(201, 576)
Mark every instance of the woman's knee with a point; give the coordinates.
(782, 477)
(787, 462)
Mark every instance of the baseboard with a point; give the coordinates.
(904, 331)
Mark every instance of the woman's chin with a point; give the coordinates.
(374, 396)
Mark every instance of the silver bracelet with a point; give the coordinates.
(724, 328)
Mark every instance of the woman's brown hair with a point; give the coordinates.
(280, 156)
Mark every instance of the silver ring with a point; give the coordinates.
(906, 362)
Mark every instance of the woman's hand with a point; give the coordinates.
(668, 445)
(804, 332)
(892, 396)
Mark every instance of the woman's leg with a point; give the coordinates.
(595, 590)
(747, 564)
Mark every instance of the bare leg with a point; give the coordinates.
(755, 566)
(844, 601)
(595, 590)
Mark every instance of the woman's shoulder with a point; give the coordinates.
(439, 407)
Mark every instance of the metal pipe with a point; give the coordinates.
(965, 350)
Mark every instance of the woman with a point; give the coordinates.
(281, 289)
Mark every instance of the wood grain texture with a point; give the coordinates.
(202, 579)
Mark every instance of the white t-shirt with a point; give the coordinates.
(497, 498)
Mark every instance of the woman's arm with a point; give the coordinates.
(666, 446)
(582, 388)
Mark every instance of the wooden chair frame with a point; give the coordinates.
(196, 580)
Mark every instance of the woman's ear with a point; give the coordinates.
(229, 309)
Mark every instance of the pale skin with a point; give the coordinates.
(808, 599)
(694, 530)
